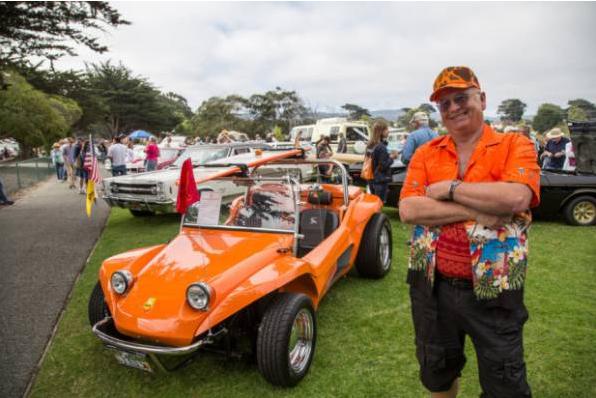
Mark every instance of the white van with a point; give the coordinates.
(357, 133)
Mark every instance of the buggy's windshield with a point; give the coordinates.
(200, 156)
(264, 204)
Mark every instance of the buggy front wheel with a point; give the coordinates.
(286, 339)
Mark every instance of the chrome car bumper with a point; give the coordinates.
(104, 331)
(166, 206)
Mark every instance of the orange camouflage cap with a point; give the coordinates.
(454, 77)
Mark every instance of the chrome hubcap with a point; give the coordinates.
(584, 212)
(301, 339)
(384, 251)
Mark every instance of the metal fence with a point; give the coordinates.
(21, 174)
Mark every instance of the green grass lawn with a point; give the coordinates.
(365, 344)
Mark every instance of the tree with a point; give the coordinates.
(404, 120)
(43, 28)
(547, 117)
(355, 112)
(581, 109)
(428, 108)
(275, 107)
(511, 110)
(217, 114)
(577, 114)
(31, 117)
(130, 102)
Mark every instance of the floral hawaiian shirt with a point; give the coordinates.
(499, 256)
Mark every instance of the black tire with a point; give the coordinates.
(97, 308)
(376, 248)
(581, 211)
(141, 213)
(274, 353)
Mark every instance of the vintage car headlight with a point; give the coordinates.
(114, 188)
(199, 295)
(121, 281)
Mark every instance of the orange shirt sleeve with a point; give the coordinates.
(522, 166)
(416, 177)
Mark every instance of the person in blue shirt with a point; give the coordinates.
(421, 134)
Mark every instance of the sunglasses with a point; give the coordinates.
(460, 100)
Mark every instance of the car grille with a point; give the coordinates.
(135, 189)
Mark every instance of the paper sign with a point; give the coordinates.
(209, 208)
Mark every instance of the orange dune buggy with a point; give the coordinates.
(243, 277)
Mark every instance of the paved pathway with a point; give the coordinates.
(45, 240)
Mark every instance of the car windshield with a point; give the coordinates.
(261, 205)
(200, 156)
(167, 153)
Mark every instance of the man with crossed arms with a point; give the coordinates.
(468, 193)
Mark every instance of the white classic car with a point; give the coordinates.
(157, 191)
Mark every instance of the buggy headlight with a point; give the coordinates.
(199, 295)
(121, 281)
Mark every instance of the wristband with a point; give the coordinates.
(452, 187)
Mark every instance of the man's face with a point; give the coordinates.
(462, 110)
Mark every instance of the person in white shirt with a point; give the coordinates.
(569, 164)
(117, 154)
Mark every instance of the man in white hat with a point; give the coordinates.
(421, 134)
(554, 151)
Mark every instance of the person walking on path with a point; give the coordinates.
(4, 200)
(117, 155)
(82, 171)
(69, 161)
(422, 134)
(381, 160)
(58, 161)
(152, 154)
(468, 194)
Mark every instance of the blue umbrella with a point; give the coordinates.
(139, 134)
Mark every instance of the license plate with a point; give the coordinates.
(134, 360)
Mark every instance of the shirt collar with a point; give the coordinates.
(489, 137)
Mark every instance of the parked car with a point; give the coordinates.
(572, 195)
(167, 156)
(244, 278)
(174, 141)
(156, 191)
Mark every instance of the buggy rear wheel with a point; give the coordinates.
(286, 339)
(374, 254)
(97, 307)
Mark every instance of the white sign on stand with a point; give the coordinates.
(209, 208)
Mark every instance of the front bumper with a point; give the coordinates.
(154, 205)
(107, 333)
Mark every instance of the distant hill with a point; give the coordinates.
(388, 114)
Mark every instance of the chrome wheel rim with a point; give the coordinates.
(384, 251)
(584, 212)
(301, 340)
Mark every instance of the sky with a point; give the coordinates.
(377, 55)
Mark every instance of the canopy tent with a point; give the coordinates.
(140, 134)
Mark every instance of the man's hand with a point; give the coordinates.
(438, 190)
(559, 154)
(546, 154)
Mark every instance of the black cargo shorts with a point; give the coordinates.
(442, 319)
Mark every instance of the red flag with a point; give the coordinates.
(187, 191)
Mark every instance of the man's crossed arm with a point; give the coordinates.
(489, 203)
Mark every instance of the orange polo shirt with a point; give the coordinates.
(497, 157)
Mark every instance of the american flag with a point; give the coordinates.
(91, 164)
